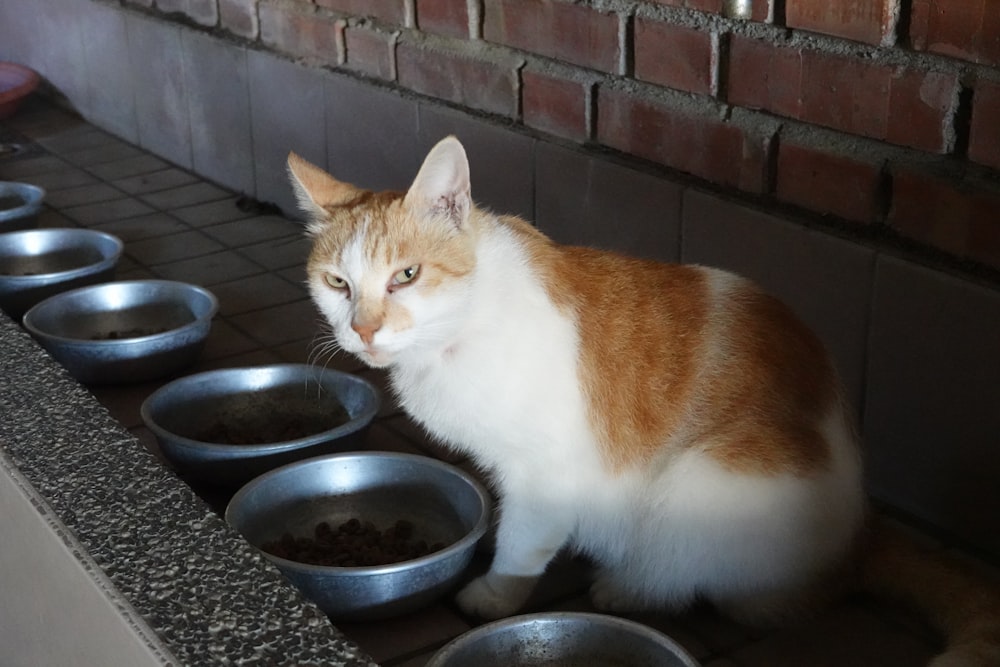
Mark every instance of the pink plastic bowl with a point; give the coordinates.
(16, 83)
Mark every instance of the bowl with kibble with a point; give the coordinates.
(566, 639)
(124, 332)
(36, 264)
(20, 204)
(365, 535)
(226, 426)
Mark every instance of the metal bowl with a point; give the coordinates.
(444, 504)
(566, 639)
(38, 263)
(126, 331)
(20, 204)
(282, 413)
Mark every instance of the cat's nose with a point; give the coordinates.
(365, 331)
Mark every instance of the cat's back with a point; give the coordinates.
(691, 355)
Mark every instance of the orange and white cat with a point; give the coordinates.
(674, 423)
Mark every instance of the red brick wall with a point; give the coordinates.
(882, 115)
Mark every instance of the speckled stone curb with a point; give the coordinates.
(170, 563)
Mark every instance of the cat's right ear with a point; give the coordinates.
(442, 185)
(317, 191)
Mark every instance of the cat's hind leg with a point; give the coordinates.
(761, 548)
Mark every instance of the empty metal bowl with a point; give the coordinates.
(227, 426)
(443, 503)
(563, 639)
(20, 204)
(38, 263)
(126, 331)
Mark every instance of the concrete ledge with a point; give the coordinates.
(110, 559)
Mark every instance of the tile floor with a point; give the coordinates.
(178, 226)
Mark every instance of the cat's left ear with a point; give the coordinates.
(442, 185)
(317, 191)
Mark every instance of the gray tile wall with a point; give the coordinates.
(55, 42)
(370, 134)
(107, 73)
(589, 201)
(159, 86)
(917, 349)
(933, 402)
(217, 90)
(289, 114)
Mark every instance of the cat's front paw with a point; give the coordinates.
(493, 596)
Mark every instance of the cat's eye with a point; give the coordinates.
(406, 275)
(336, 282)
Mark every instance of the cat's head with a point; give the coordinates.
(391, 272)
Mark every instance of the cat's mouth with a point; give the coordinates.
(375, 357)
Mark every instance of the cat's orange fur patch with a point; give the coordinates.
(631, 316)
(768, 401)
(645, 332)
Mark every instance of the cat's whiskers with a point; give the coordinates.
(323, 347)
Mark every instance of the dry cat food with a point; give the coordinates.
(279, 429)
(266, 423)
(354, 543)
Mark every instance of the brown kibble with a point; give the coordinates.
(353, 544)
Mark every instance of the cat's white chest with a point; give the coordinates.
(508, 385)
